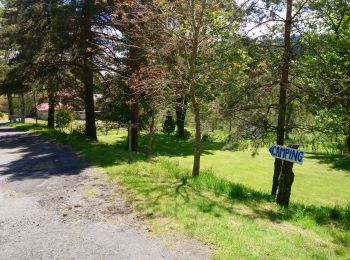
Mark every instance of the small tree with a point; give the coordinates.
(64, 118)
(169, 124)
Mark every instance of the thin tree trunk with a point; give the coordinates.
(289, 121)
(197, 141)
(230, 130)
(134, 117)
(150, 135)
(135, 60)
(51, 114)
(287, 56)
(348, 142)
(87, 76)
(195, 108)
(36, 108)
(11, 107)
(191, 80)
(181, 110)
(23, 109)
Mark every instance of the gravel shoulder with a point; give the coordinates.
(54, 205)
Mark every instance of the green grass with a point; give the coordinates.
(321, 180)
(229, 206)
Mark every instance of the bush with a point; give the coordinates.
(188, 134)
(64, 117)
(206, 137)
(169, 124)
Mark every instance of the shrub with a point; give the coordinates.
(206, 137)
(64, 117)
(169, 124)
(335, 213)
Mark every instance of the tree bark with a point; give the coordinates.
(181, 110)
(197, 141)
(348, 142)
(87, 75)
(51, 114)
(36, 108)
(134, 117)
(11, 107)
(23, 109)
(135, 60)
(192, 90)
(287, 56)
(285, 182)
(289, 121)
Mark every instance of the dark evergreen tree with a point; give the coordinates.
(169, 124)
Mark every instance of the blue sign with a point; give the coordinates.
(287, 154)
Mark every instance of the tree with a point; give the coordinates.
(86, 55)
(327, 58)
(194, 27)
(168, 124)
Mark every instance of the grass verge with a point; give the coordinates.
(240, 222)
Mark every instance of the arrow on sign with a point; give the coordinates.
(287, 154)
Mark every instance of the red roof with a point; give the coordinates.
(43, 107)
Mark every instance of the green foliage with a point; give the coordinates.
(187, 135)
(334, 120)
(64, 117)
(169, 124)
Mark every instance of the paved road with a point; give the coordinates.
(53, 205)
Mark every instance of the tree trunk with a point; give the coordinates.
(11, 107)
(87, 76)
(36, 108)
(134, 117)
(197, 140)
(289, 121)
(135, 60)
(287, 56)
(285, 182)
(181, 110)
(150, 135)
(276, 174)
(348, 142)
(90, 125)
(51, 115)
(23, 109)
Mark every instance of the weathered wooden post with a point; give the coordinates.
(285, 181)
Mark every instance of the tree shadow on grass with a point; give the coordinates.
(166, 145)
(338, 162)
(209, 188)
(171, 145)
(177, 197)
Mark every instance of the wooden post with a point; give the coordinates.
(285, 181)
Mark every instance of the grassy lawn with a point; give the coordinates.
(228, 206)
